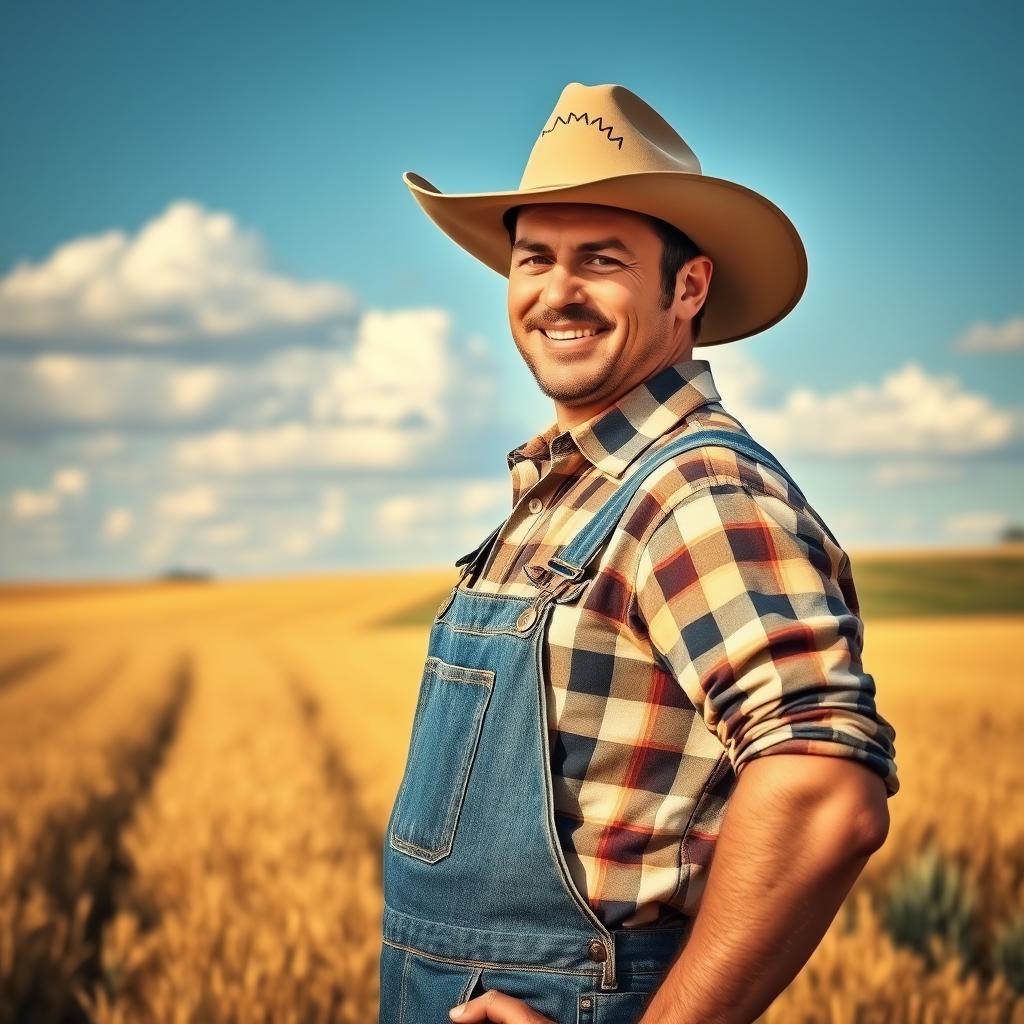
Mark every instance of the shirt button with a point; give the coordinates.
(596, 951)
(526, 619)
(536, 505)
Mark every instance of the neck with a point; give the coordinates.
(569, 416)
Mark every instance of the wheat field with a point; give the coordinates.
(197, 775)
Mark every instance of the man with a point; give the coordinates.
(588, 828)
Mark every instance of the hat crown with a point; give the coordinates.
(599, 131)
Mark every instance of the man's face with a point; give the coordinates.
(581, 267)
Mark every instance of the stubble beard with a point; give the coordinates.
(583, 387)
(608, 380)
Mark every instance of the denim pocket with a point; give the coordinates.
(445, 736)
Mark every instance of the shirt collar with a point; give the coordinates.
(616, 436)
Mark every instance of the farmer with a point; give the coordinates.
(588, 829)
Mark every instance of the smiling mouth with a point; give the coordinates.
(573, 335)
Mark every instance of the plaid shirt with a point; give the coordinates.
(722, 624)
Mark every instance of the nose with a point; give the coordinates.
(561, 287)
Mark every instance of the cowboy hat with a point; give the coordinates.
(603, 144)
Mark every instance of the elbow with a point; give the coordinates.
(871, 828)
(843, 800)
(870, 810)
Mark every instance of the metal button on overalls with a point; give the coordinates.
(477, 892)
(526, 618)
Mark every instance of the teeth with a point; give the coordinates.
(570, 335)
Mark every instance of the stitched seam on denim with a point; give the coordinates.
(483, 934)
(410, 850)
(453, 673)
(467, 988)
(452, 816)
(401, 1004)
(479, 595)
(515, 936)
(508, 631)
(520, 968)
(437, 853)
(420, 704)
(489, 963)
(471, 751)
(421, 699)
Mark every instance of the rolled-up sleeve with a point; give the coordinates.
(751, 607)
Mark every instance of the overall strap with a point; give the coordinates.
(471, 559)
(578, 552)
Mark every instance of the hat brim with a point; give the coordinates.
(760, 266)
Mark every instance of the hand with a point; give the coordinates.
(497, 1006)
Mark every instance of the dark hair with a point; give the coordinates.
(676, 249)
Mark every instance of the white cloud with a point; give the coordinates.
(465, 507)
(297, 542)
(195, 502)
(977, 523)
(405, 510)
(909, 411)
(118, 523)
(399, 368)
(69, 480)
(105, 391)
(194, 389)
(376, 407)
(890, 474)
(380, 404)
(65, 481)
(486, 496)
(988, 337)
(223, 534)
(189, 273)
(29, 504)
(294, 446)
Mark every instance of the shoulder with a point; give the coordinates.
(711, 464)
(715, 485)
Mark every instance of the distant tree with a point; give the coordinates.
(1012, 533)
(178, 574)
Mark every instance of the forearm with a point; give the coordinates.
(786, 857)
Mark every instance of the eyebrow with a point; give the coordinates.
(528, 245)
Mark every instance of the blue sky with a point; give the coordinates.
(230, 340)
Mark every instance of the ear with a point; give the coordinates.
(693, 279)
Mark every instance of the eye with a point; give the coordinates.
(609, 261)
(530, 259)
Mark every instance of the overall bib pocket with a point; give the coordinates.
(445, 736)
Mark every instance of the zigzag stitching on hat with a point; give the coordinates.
(585, 117)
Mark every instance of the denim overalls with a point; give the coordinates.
(477, 894)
